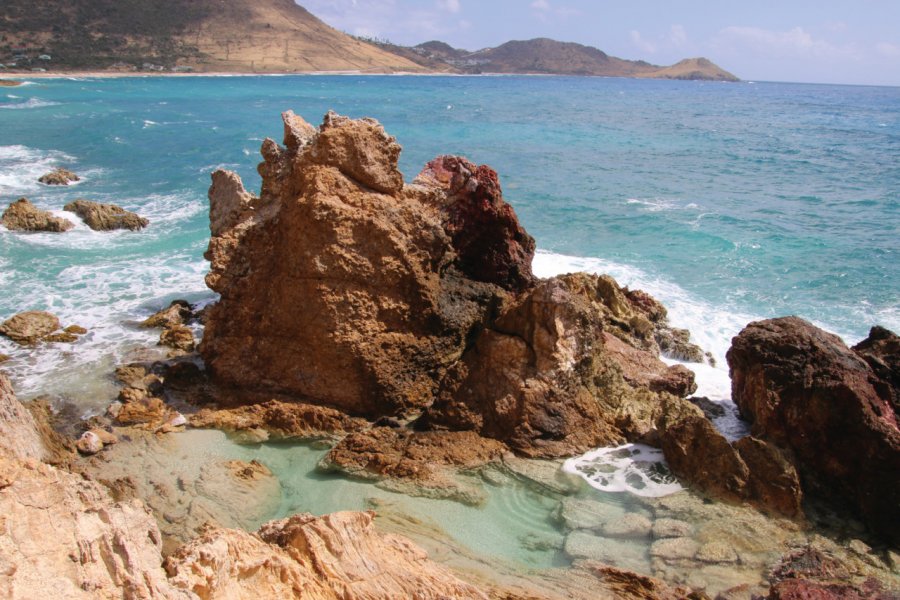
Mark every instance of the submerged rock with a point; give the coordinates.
(106, 217)
(58, 176)
(22, 215)
(805, 391)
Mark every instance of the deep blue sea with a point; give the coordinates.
(730, 202)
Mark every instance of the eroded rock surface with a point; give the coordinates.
(33, 326)
(338, 556)
(352, 295)
(22, 215)
(58, 176)
(106, 217)
(804, 390)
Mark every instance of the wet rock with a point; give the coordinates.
(276, 420)
(30, 327)
(106, 217)
(670, 528)
(773, 483)
(177, 313)
(675, 343)
(670, 549)
(22, 215)
(4, 357)
(392, 455)
(630, 526)
(802, 589)
(89, 443)
(58, 176)
(805, 391)
(178, 337)
(627, 585)
(576, 513)
(624, 554)
(717, 552)
(385, 311)
(490, 243)
(710, 408)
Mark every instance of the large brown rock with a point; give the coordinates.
(338, 283)
(58, 176)
(804, 390)
(882, 351)
(748, 470)
(106, 217)
(30, 327)
(22, 215)
(548, 380)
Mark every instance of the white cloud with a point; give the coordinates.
(540, 5)
(796, 42)
(677, 35)
(889, 50)
(642, 44)
(449, 5)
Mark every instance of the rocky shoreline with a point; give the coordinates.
(400, 325)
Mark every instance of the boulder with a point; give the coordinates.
(89, 443)
(58, 176)
(749, 470)
(22, 215)
(804, 390)
(106, 217)
(342, 280)
(30, 327)
(179, 312)
(177, 337)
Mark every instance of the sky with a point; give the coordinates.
(823, 41)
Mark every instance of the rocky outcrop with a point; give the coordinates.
(882, 351)
(748, 470)
(22, 215)
(805, 391)
(58, 176)
(811, 574)
(179, 312)
(338, 556)
(366, 306)
(489, 242)
(31, 327)
(277, 420)
(19, 435)
(106, 217)
(553, 375)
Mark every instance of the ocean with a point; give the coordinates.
(728, 202)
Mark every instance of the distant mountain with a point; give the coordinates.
(269, 36)
(546, 56)
(203, 35)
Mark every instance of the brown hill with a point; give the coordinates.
(205, 35)
(546, 56)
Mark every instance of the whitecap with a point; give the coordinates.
(20, 167)
(633, 468)
(30, 103)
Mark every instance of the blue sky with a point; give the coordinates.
(826, 41)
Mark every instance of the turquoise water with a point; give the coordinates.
(729, 201)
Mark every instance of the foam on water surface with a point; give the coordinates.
(633, 468)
